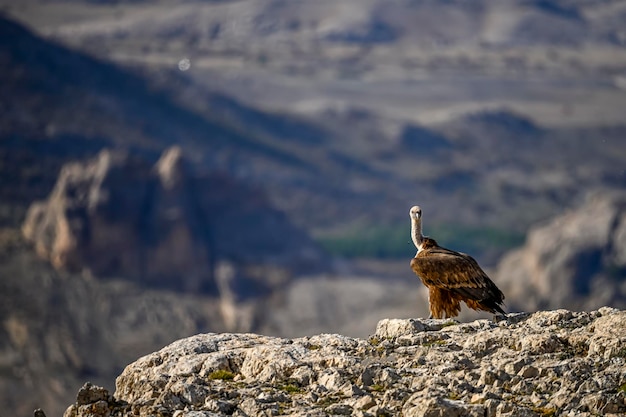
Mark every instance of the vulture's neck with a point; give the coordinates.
(416, 233)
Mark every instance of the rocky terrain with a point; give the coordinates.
(550, 363)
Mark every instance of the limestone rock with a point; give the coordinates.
(93, 401)
(577, 260)
(389, 328)
(547, 363)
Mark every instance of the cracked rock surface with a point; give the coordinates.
(550, 363)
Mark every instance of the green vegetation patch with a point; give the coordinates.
(374, 341)
(437, 342)
(377, 388)
(330, 399)
(292, 389)
(394, 241)
(221, 374)
(453, 396)
(369, 242)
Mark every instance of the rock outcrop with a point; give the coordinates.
(551, 363)
(577, 260)
(164, 226)
(118, 216)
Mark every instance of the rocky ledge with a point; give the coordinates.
(550, 363)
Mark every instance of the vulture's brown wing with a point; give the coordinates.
(456, 272)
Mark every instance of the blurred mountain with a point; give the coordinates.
(73, 105)
(363, 107)
(297, 23)
(561, 62)
(163, 226)
(577, 259)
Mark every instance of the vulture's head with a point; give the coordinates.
(415, 213)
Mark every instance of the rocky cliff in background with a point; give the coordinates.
(504, 167)
(577, 260)
(551, 363)
(145, 252)
(115, 216)
(163, 226)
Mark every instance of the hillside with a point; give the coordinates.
(377, 92)
(550, 363)
(423, 61)
(72, 105)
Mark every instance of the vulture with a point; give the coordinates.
(451, 277)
